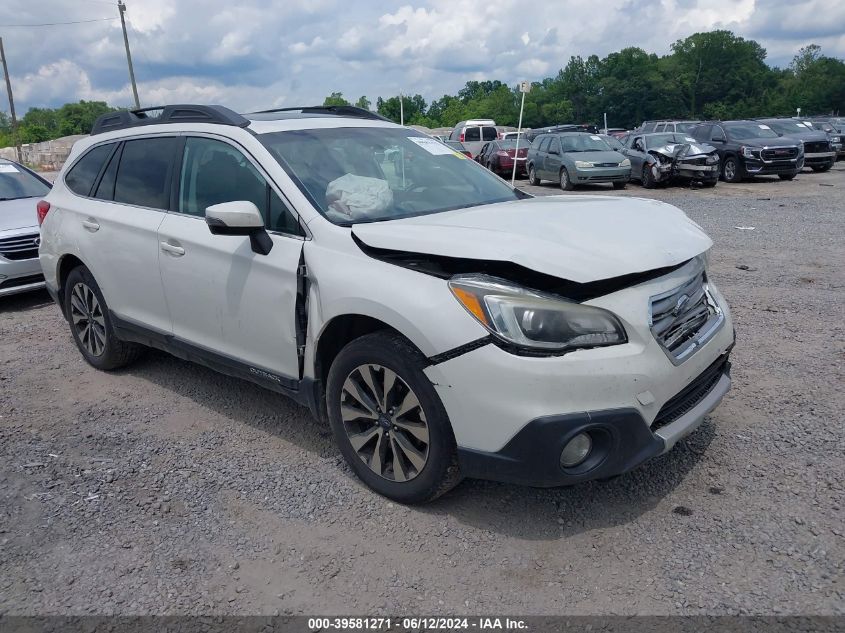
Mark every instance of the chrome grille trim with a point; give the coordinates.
(20, 247)
(685, 318)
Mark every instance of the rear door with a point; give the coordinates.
(224, 298)
(472, 140)
(119, 224)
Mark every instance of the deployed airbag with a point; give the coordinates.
(352, 197)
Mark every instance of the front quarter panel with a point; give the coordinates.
(345, 281)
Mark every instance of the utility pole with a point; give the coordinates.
(401, 109)
(122, 8)
(11, 103)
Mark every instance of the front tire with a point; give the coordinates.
(388, 420)
(565, 181)
(91, 326)
(532, 176)
(730, 170)
(648, 177)
(820, 168)
(787, 176)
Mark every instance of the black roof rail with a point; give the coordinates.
(336, 110)
(180, 113)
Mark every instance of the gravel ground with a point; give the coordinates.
(168, 489)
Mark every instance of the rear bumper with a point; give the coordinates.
(621, 438)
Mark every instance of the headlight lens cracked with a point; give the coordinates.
(534, 320)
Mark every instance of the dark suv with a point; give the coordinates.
(751, 148)
(819, 153)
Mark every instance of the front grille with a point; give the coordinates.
(606, 164)
(20, 247)
(779, 153)
(692, 394)
(816, 147)
(683, 319)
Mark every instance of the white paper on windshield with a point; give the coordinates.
(764, 127)
(431, 145)
(8, 169)
(595, 138)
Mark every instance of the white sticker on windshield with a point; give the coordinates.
(764, 127)
(595, 138)
(8, 169)
(431, 145)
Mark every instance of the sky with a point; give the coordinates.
(250, 55)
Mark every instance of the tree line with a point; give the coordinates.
(714, 75)
(44, 124)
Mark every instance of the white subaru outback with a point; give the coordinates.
(445, 324)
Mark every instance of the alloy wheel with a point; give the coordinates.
(384, 422)
(87, 319)
(730, 169)
(564, 179)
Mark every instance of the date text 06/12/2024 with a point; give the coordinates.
(416, 624)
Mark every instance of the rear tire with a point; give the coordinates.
(91, 326)
(409, 456)
(565, 182)
(532, 176)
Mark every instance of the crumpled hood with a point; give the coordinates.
(695, 149)
(18, 214)
(576, 238)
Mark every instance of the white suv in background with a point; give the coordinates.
(445, 324)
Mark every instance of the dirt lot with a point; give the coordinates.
(166, 488)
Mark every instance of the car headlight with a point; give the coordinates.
(835, 139)
(583, 164)
(535, 320)
(712, 159)
(749, 152)
(625, 163)
(800, 148)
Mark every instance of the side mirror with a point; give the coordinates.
(240, 217)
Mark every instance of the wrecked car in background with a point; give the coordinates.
(664, 157)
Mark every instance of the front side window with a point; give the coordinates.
(214, 172)
(367, 174)
(143, 175)
(81, 176)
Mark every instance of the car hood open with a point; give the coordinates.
(576, 238)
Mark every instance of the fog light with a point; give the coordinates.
(576, 450)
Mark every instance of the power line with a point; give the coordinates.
(4, 26)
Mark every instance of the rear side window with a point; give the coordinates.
(143, 175)
(105, 190)
(82, 175)
(489, 134)
(472, 134)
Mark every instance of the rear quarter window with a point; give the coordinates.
(82, 175)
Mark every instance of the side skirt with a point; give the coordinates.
(134, 333)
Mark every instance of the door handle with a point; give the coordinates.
(91, 225)
(176, 251)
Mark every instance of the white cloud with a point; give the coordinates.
(259, 52)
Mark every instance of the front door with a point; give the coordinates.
(223, 297)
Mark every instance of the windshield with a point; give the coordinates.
(658, 140)
(583, 143)
(612, 142)
(371, 174)
(15, 183)
(745, 131)
(788, 127)
(685, 127)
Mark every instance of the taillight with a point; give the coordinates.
(41, 209)
(461, 139)
(502, 153)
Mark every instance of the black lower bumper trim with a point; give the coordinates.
(621, 440)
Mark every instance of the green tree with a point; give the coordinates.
(335, 99)
(364, 103)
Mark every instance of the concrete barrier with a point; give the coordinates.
(48, 156)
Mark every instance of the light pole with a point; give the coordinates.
(11, 104)
(122, 9)
(524, 87)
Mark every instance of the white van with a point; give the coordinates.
(475, 133)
